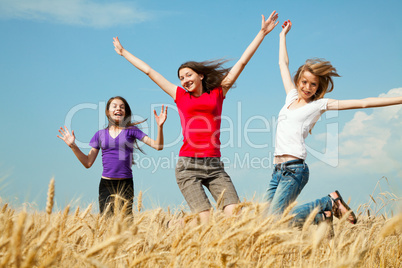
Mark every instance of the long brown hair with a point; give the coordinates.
(128, 114)
(213, 72)
(126, 123)
(323, 70)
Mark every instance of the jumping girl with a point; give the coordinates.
(199, 101)
(117, 141)
(304, 105)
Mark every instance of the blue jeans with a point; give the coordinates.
(303, 211)
(288, 180)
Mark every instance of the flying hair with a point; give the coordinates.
(323, 70)
(213, 72)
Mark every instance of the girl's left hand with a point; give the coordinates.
(269, 24)
(161, 118)
(287, 25)
(117, 46)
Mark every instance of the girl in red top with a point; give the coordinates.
(199, 101)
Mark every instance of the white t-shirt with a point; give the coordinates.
(294, 125)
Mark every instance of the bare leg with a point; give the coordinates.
(204, 219)
(204, 216)
(327, 214)
(334, 195)
(228, 210)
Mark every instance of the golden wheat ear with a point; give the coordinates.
(139, 201)
(50, 197)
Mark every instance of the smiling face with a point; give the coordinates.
(117, 111)
(307, 85)
(191, 81)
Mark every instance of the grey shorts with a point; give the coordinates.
(192, 173)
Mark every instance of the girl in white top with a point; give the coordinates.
(304, 105)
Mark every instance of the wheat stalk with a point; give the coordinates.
(51, 259)
(17, 238)
(393, 226)
(103, 245)
(64, 218)
(288, 209)
(77, 211)
(5, 259)
(87, 210)
(220, 199)
(4, 208)
(30, 258)
(139, 201)
(4, 243)
(310, 219)
(50, 197)
(74, 230)
(246, 240)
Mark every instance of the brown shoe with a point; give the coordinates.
(337, 210)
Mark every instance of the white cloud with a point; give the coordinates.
(73, 12)
(371, 141)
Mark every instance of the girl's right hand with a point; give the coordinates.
(268, 25)
(117, 46)
(65, 135)
(286, 27)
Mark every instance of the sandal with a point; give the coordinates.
(337, 211)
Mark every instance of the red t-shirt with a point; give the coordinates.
(201, 122)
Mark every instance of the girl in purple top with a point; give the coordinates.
(117, 142)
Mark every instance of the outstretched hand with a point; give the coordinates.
(287, 25)
(65, 135)
(268, 25)
(161, 118)
(117, 46)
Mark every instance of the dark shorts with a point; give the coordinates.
(192, 173)
(109, 189)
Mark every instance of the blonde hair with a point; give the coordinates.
(323, 70)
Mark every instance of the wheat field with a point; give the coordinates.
(81, 238)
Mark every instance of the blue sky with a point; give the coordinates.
(58, 66)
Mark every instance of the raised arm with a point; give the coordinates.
(160, 120)
(266, 27)
(161, 81)
(363, 103)
(284, 59)
(69, 139)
